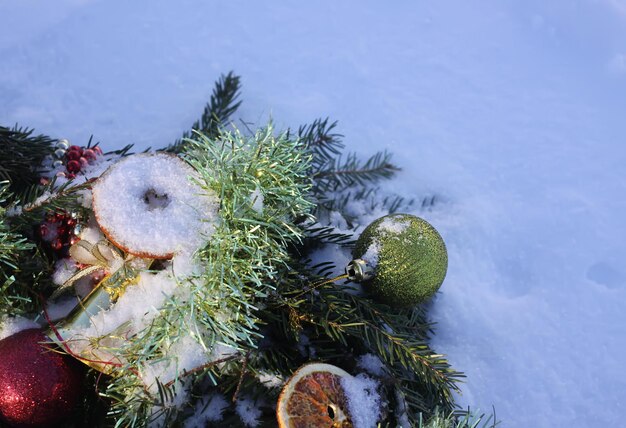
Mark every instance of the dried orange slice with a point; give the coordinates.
(314, 398)
(146, 205)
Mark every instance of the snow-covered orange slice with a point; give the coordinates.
(149, 205)
(314, 398)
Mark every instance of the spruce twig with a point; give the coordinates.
(225, 100)
(338, 175)
(22, 155)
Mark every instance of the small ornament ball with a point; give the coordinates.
(38, 386)
(408, 256)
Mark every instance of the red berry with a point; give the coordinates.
(73, 166)
(74, 239)
(83, 162)
(57, 244)
(43, 230)
(97, 149)
(59, 217)
(71, 222)
(71, 176)
(77, 148)
(61, 230)
(73, 155)
(89, 154)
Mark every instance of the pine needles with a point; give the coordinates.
(329, 171)
(21, 156)
(225, 100)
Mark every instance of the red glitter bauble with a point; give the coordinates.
(73, 166)
(38, 387)
(73, 155)
(89, 154)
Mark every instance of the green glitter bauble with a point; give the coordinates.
(409, 259)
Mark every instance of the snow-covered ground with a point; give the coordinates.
(512, 112)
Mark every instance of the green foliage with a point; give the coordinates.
(39, 200)
(258, 293)
(223, 103)
(15, 260)
(464, 419)
(332, 173)
(262, 184)
(21, 156)
(340, 326)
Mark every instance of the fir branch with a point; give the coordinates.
(328, 170)
(225, 100)
(38, 200)
(51, 197)
(22, 155)
(21, 267)
(342, 320)
(322, 235)
(321, 140)
(338, 175)
(10, 243)
(464, 419)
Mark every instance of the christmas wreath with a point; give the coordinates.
(203, 284)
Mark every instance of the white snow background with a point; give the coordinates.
(511, 112)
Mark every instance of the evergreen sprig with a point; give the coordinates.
(13, 298)
(225, 100)
(22, 156)
(38, 200)
(398, 337)
(329, 171)
(464, 419)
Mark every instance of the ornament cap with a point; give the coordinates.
(63, 144)
(358, 270)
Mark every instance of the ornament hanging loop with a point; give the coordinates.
(358, 270)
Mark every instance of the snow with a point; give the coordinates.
(63, 270)
(248, 410)
(364, 402)
(511, 113)
(186, 354)
(135, 309)
(372, 255)
(400, 410)
(393, 226)
(371, 364)
(271, 380)
(12, 325)
(207, 409)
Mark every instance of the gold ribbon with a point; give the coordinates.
(101, 255)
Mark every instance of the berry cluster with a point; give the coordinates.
(74, 158)
(60, 231)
